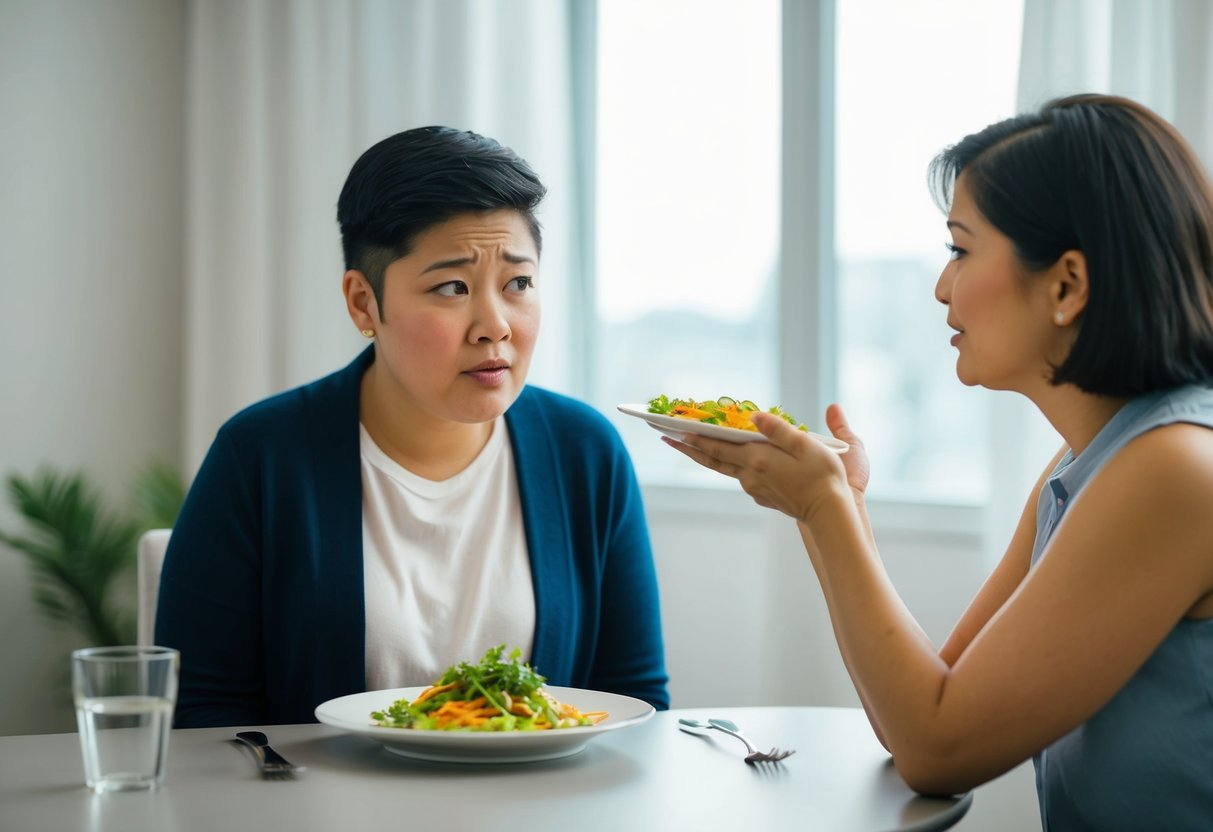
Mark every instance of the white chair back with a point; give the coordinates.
(150, 557)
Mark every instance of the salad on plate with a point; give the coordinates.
(499, 693)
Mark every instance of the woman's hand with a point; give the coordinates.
(793, 472)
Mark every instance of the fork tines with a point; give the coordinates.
(772, 756)
(271, 764)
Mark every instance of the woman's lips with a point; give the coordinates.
(956, 339)
(489, 376)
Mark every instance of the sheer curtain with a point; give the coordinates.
(1157, 53)
(282, 98)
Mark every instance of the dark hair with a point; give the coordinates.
(1108, 177)
(412, 181)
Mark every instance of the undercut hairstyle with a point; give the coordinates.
(1108, 177)
(415, 180)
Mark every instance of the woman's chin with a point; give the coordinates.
(966, 377)
(487, 407)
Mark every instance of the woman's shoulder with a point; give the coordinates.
(1168, 430)
(1192, 403)
(561, 415)
(1174, 450)
(1146, 421)
(326, 400)
(1166, 470)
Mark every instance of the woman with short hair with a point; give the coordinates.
(422, 505)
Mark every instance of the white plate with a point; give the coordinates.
(674, 425)
(353, 713)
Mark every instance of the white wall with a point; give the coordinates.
(91, 201)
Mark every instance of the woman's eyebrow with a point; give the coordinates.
(447, 264)
(463, 261)
(960, 225)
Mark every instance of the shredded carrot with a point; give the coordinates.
(734, 415)
(477, 711)
(725, 411)
(434, 690)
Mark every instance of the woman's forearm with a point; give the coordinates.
(811, 546)
(896, 669)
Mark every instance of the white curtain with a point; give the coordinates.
(283, 95)
(1158, 52)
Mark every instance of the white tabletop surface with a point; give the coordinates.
(651, 776)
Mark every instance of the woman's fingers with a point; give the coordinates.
(704, 451)
(855, 460)
(781, 434)
(839, 427)
(786, 473)
(836, 421)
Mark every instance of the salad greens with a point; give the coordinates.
(498, 693)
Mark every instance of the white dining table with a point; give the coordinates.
(651, 776)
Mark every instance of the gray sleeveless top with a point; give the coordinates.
(1145, 760)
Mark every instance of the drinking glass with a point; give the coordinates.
(124, 707)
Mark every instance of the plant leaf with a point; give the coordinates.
(80, 553)
(159, 492)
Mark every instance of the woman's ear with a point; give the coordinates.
(1070, 286)
(360, 301)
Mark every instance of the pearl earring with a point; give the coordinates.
(370, 333)
(1060, 317)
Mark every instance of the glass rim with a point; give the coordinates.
(125, 652)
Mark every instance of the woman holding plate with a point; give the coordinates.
(408, 512)
(1082, 278)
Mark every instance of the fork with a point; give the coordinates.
(730, 728)
(272, 764)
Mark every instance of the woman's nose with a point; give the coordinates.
(943, 286)
(489, 322)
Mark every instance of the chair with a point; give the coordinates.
(150, 557)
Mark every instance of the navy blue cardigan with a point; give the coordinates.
(262, 586)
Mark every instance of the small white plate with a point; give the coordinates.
(672, 426)
(353, 713)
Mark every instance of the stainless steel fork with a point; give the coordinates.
(730, 728)
(272, 764)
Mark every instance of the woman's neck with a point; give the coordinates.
(1076, 415)
(436, 449)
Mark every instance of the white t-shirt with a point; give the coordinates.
(447, 573)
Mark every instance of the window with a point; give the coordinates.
(688, 209)
(910, 79)
(691, 106)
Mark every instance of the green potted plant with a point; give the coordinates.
(82, 554)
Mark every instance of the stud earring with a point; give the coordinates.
(1060, 317)
(370, 333)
